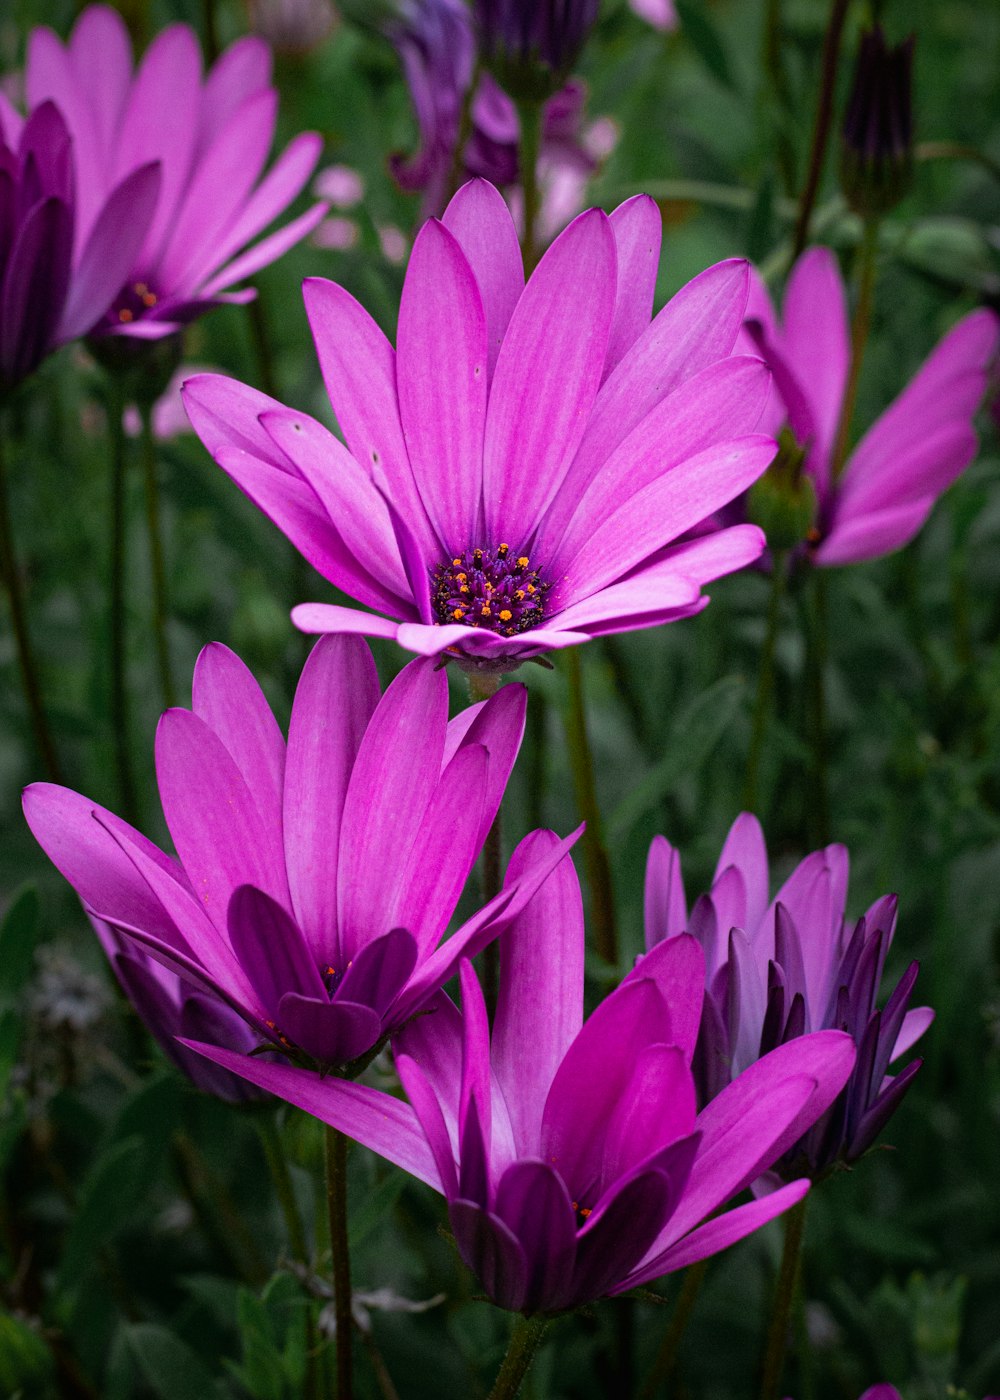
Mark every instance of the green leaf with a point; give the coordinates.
(170, 1369)
(377, 1205)
(114, 1187)
(18, 940)
(25, 1360)
(704, 38)
(693, 736)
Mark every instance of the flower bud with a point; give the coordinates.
(876, 165)
(531, 45)
(783, 501)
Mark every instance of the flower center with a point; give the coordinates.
(494, 589)
(132, 303)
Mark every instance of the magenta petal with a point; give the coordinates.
(330, 619)
(664, 902)
(745, 849)
(332, 1032)
(441, 382)
(432, 1120)
(271, 949)
(226, 414)
(816, 341)
(720, 1233)
(227, 697)
(479, 218)
(620, 1234)
(433, 1042)
(915, 1023)
(546, 378)
(370, 1117)
(217, 826)
(874, 534)
(540, 1000)
(395, 775)
(499, 726)
(677, 966)
(638, 228)
(378, 971)
(339, 679)
(262, 254)
(492, 1253)
(534, 1204)
(272, 196)
(359, 371)
(243, 68)
(656, 1109)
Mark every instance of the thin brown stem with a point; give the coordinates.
(822, 122)
(120, 708)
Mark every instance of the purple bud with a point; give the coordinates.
(877, 146)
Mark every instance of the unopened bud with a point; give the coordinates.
(530, 46)
(876, 165)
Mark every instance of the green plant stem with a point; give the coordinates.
(821, 123)
(595, 851)
(211, 31)
(464, 132)
(784, 1299)
(665, 1361)
(765, 681)
(116, 597)
(818, 655)
(157, 567)
(19, 621)
(775, 70)
(530, 117)
(521, 1351)
(281, 1177)
(336, 1206)
(860, 326)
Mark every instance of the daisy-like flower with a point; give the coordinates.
(208, 135)
(517, 471)
(571, 1153)
(316, 879)
(908, 457)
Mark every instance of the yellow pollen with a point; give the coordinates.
(330, 971)
(488, 587)
(502, 550)
(464, 588)
(519, 595)
(524, 561)
(485, 610)
(125, 316)
(531, 588)
(455, 563)
(461, 577)
(506, 615)
(458, 614)
(477, 554)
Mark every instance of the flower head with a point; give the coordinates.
(518, 469)
(171, 1008)
(570, 1152)
(55, 282)
(776, 970)
(314, 880)
(531, 45)
(209, 139)
(876, 159)
(908, 457)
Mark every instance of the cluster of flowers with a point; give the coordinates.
(572, 466)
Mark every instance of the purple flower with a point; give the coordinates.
(777, 970)
(436, 47)
(171, 1008)
(876, 155)
(314, 883)
(518, 470)
(661, 14)
(570, 1153)
(532, 44)
(909, 456)
(209, 139)
(53, 286)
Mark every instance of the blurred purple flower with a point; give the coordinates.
(533, 42)
(50, 294)
(570, 1153)
(435, 43)
(881, 1392)
(208, 139)
(909, 456)
(777, 970)
(314, 882)
(291, 26)
(661, 14)
(876, 153)
(171, 1008)
(517, 471)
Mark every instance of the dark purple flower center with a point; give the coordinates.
(494, 589)
(135, 300)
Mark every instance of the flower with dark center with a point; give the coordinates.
(209, 138)
(550, 422)
(315, 879)
(777, 970)
(570, 1152)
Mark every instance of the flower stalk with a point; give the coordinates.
(765, 681)
(156, 560)
(822, 123)
(336, 1204)
(665, 1361)
(595, 851)
(281, 1178)
(784, 1300)
(120, 707)
(530, 118)
(860, 326)
(522, 1349)
(19, 620)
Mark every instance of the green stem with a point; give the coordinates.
(157, 567)
(784, 1298)
(464, 132)
(860, 326)
(277, 1164)
(261, 337)
(119, 685)
(666, 1358)
(775, 70)
(521, 1351)
(816, 669)
(22, 636)
(211, 31)
(822, 122)
(530, 117)
(765, 682)
(336, 1205)
(595, 852)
